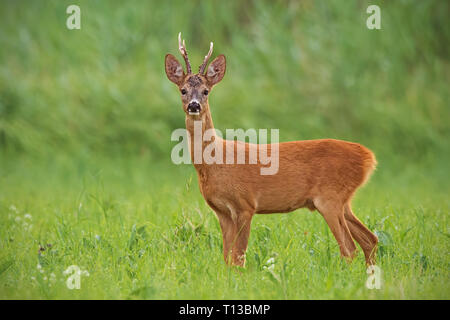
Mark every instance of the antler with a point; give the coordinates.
(182, 48)
(205, 61)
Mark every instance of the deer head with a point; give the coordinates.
(195, 88)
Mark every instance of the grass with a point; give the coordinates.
(85, 124)
(149, 235)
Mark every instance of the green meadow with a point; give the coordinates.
(86, 176)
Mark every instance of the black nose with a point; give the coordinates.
(194, 107)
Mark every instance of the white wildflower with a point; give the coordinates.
(269, 268)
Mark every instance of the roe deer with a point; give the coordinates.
(320, 175)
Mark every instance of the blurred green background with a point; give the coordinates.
(86, 118)
(310, 68)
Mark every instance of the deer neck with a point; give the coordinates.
(196, 126)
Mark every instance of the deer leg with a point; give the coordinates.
(366, 239)
(228, 228)
(333, 214)
(243, 222)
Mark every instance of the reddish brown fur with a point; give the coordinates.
(316, 174)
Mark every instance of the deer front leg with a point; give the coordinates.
(228, 228)
(243, 222)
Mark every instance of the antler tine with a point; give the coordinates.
(205, 61)
(183, 51)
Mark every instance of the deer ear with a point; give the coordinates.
(174, 70)
(216, 70)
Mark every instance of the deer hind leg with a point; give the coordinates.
(366, 239)
(333, 213)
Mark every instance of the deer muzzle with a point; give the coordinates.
(194, 108)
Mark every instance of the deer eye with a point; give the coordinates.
(183, 91)
(205, 92)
